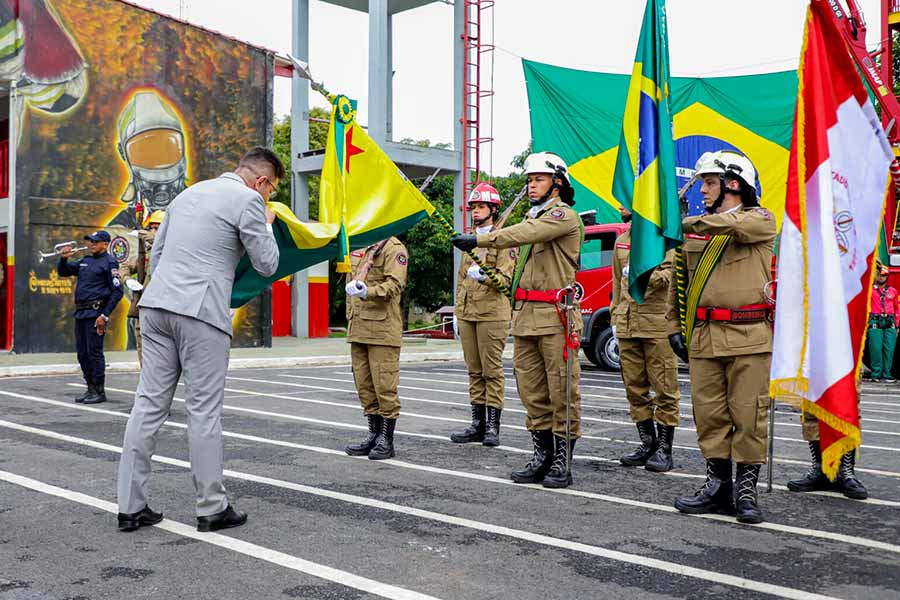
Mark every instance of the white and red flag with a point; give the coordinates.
(837, 185)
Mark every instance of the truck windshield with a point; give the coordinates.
(597, 251)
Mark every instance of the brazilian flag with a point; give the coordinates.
(644, 177)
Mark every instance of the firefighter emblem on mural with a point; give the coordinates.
(151, 142)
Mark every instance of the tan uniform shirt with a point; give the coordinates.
(126, 269)
(647, 320)
(481, 301)
(739, 279)
(556, 235)
(376, 319)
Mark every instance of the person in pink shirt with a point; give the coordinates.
(883, 323)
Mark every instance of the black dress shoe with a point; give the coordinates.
(142, 518)
(222, 520)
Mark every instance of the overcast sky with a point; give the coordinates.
(707, 37)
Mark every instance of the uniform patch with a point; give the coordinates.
(114, 272)
(119, 249)
(116, 282)
(558, 214)
(696, 236)
(766, 213)
(623, 246)
(401, 258)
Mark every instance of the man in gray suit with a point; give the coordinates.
(186, 329)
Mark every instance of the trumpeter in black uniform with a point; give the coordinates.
(97, 293)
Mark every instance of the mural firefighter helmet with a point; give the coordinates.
(151, 142)
(551, 164)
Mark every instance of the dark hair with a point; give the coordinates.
(260, 156)
(747, 194)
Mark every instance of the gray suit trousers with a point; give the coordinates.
(176, 345)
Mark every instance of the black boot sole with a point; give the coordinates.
(750, 519)
(491, 442)
(99, 401)
(628, 462)
(657, 468)
(354, 452)
(458, 439)
(791, 486)
(554, 483)
(379, 456)
(714, 509)
(525, 478)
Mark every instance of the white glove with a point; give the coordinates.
(625, 271)
(476, 273)
(134, 285)
(614, 332)
(357, 288)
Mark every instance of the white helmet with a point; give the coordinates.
(706, 164)
(738, 166)
(546, 162)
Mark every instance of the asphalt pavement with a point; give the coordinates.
(441, 520)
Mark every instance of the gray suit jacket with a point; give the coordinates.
(205, 233)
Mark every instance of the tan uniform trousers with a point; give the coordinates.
(376, 371)
(731, 406)
(650, 362)
(540, 379)
(483, 343)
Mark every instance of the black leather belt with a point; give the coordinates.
(91, 304)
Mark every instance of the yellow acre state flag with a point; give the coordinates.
(362, 190)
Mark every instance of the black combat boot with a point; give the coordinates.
(814, 480)
(745, 498)
(540, 462)
(846, 482)
(639, 457)
(475, 431)
(717, 493)
(492, 428)
(560, 474)
(363, 448)
(662, 461)
(89, 391)
(99, 395)
(384, 445)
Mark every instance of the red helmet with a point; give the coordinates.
(485, 192)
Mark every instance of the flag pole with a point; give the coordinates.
(770, 466)
(302, 70)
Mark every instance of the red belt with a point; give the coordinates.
(553, 297)
(744, 314)
(548, 296)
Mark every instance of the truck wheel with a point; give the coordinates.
(606, 349)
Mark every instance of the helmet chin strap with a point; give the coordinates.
(712, 208)
(480, 222)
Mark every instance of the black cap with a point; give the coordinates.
(98, 236)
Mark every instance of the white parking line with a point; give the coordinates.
(275, 557)
(453, 420)
(620, 401)
(528, 536)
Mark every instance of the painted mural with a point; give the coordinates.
(117, 110)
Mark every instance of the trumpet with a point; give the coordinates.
(57, 250)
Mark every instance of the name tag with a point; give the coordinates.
(697, 236)
(623, 246)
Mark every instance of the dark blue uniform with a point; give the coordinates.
(97, 292)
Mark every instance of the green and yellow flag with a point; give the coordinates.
(363, 198)
(644, 176)
(362, 190)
